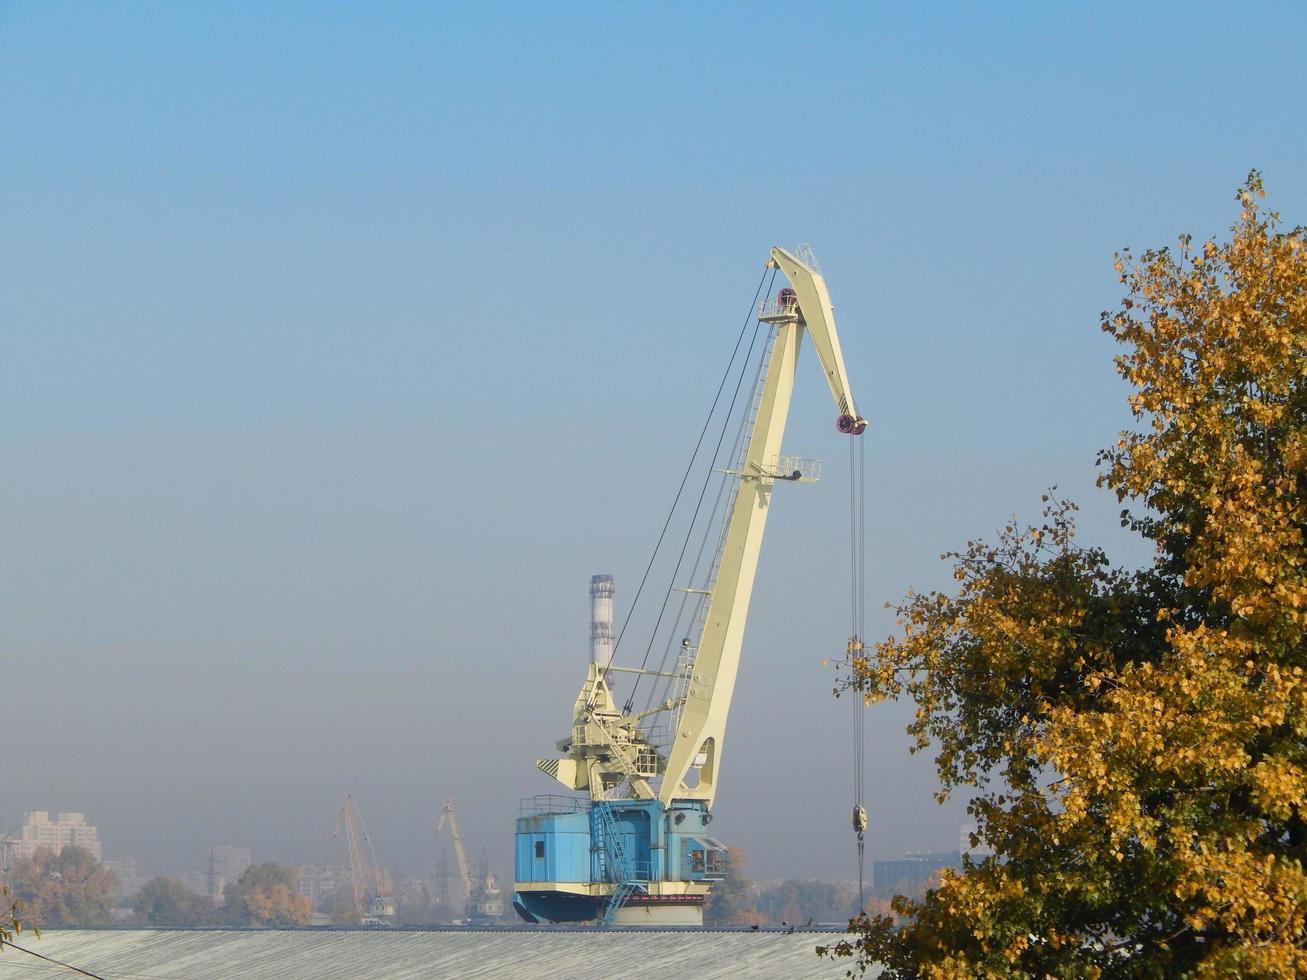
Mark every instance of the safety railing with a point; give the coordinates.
(773, 309)
(800, 469)
(804, 251)
(534, 806)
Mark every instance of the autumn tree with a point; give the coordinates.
(68, 888)
(731, 901)
(167, 902)
(267, 895)
(1134, 742)
(799, 903)
(11, 923)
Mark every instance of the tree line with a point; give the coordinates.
(71, 888)
(739, 901)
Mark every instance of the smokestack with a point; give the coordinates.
(601, 620)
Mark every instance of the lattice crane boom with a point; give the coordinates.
(369, 883)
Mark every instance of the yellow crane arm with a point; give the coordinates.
(694, 762)
(464, 870)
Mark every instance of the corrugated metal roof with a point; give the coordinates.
(167, 954)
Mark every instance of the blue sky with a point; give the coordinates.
(340, 344)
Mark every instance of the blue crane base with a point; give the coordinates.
(637, 850)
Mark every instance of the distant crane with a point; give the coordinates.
(482, 892)
(373, 902)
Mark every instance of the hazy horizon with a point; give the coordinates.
(342, 345)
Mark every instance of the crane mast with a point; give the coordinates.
(481, 893)
(373, 903)
(610, 752)
(464, 871)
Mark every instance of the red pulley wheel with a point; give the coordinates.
(850, 425)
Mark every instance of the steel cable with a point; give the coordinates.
(717, 519)
(653, 634)
(690, 466)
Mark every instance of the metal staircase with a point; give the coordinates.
(613, 864)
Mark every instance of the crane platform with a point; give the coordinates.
(621, 862)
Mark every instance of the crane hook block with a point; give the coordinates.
(851, 425)
(859, 820)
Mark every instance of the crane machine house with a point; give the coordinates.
(630, 845)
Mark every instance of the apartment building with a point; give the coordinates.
(41, 828)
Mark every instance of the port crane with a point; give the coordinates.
(480, 891)
(373, 902)
(634, 848)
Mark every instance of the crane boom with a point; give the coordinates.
(464, 870)
(702, 724)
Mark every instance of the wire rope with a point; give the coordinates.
(735, 395)
(690, 465)
(716, 520)
(858, 606)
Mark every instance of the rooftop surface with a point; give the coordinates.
(184, 954)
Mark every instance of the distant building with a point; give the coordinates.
(319, 882)
(223, 866)
(413, 892)
(56, 831)
(129, 881)
(226, 864)
(910, 872)
(196, 882)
